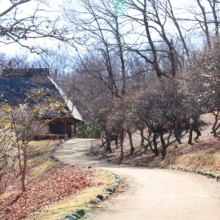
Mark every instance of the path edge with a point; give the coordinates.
(99, 198)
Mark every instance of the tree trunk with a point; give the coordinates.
(206, 28)
(196, 129)
(213, 5)
(151, 43)
(172, 59)
(131, 144)
(198, 133)
(190, 136)
(164, 150)
(215, 127)
(23, 181)
(156, 152)
(177, 132)
(23, 171)
(121, 54)
(178, 28)
(108, 142)
(116, 141)
(142, 136)
(122, 150)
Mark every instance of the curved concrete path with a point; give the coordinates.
(152, 193)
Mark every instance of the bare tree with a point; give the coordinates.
(23, 21)
(152, 19)
(202, 17)
(157, 106)
(22, 120)
(103, 32)
(116, 120)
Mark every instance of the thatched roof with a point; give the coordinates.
(14, 83)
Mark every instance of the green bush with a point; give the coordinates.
(86, 130)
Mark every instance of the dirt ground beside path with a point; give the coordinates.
(152, 194)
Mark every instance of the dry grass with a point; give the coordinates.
(5, 195)
(39, 163)
(207, 160)
(40, 150)
(203, 155)
(41, 169)
(39, 157)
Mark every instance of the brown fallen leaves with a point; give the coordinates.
(59, 182)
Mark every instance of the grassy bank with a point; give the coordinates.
(206, 160)
(203, 155)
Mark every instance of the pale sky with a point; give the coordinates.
(16, 49)
(28, 9)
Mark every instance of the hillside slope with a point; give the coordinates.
(203, 155)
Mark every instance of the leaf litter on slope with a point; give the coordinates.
(59, 182)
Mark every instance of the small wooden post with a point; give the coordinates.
(75, 128)
(64, 128)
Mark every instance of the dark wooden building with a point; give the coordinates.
(20, 80)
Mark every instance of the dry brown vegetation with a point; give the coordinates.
(53, 190)
(203, 155)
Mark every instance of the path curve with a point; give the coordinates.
(153, 194)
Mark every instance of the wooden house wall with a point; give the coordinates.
(67, 127)
(57, 127)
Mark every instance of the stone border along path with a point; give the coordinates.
(100, 197)
(154, 194)
(185, 169)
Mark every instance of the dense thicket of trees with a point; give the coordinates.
(146, 65)
(131, 65)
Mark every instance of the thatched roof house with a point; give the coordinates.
(21, 80)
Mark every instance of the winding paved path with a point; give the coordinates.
(152, 194)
